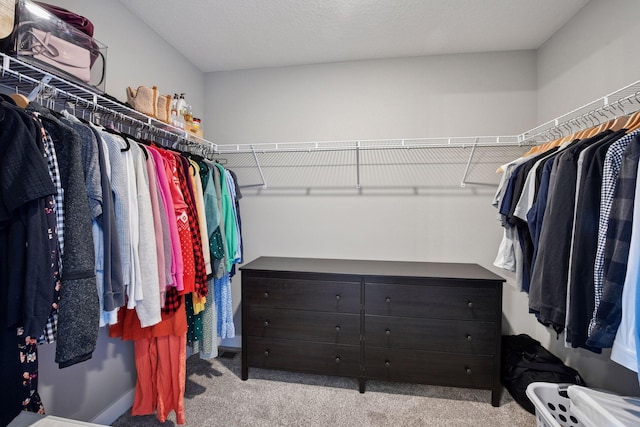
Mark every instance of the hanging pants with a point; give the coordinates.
(161, 367)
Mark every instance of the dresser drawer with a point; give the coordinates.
(330, 359)
(435, 302)
(457, 370)
(456, 336)
(317, 295)
(337, 328)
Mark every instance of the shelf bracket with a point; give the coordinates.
(358, 165)
(466, 170)
(255, 157)
(36, 90)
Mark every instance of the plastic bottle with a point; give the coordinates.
(174, 102)
(188, 114)
(181, 104)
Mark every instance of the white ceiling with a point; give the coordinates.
(220, 35)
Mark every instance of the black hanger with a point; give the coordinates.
(56, 114)
(126, 139)
(123, 136)
(144, 150)
(8, 99)
(86, 122)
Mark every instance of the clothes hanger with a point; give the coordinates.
(545, 146)
(143, 148)
(592, 125)
(582, 123)
(20, 100)
(634, 119)
(120, 134)
(607, 123)
(17, 98)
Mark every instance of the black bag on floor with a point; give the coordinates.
(525, 361)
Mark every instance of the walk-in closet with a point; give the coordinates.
(358, 266)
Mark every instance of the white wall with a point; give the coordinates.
(449, 95)
(475, 94)
(594, 54)
(420, 97)
(136, 56)
(591, 56)
(457, 95)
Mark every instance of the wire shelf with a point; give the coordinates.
(390, 163)
(82, 100)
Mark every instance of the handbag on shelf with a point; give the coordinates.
(144, 99)
(68, 57)
(57, 40)
(77, 21)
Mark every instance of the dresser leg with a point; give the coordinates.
(361, 384)
(495, 396)
(244, 370)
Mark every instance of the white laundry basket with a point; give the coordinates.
(553, 407)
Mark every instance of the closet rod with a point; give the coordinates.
(591, 114)
(374, 144)
(596, 112)
(34, 82)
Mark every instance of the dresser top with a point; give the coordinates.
(373, 268)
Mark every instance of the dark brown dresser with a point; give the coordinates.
(421, 322)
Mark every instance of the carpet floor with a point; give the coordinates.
(216, 396)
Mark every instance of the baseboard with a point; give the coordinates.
(113, 412)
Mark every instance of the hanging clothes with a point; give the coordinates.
(580, 207)
(24, 185)
(580, 293)
(624, 348)
(78, 310)
(551, 270)
(147, 294)
(135, 235)
(608, 308)
(109, 268)
(160, 354)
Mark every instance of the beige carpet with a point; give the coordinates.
(216, 396)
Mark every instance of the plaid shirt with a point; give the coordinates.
(54, 173)
(172, 301)
(608, 312)
(610, 172)
(56, 227)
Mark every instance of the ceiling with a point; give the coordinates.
(218, 35)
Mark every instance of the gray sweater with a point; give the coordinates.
(79, 308)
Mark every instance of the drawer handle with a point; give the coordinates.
(469, 337)
(338, 328)
(470, 304)
(266, 323)
(338, 297)
(266, 353)
(337, 360)
(387, 363)
(266, 294)
(468, 370)
(387, 332)
(387, 300)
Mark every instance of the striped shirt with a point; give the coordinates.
(608, 311)
(611, 170)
